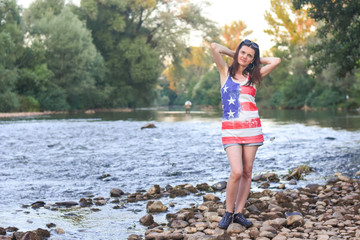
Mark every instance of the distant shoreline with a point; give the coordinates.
(27, 114)
(30, 114)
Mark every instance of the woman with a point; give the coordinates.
(241, 127)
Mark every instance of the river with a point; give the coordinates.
(56, 158)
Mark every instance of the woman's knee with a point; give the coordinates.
(247, 173)
(235, 174)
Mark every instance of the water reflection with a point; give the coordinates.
(349, 120)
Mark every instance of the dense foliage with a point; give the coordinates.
(314, 71)
(137, 53)
(338, 34)
(294, 84)
(57, 56)
(336, 49)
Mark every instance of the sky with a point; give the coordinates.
(251, 12)
(226, 11)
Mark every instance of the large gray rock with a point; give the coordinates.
(279, 237)
(200, 226)
(219, 186)
(43, 233)
(254, 233)
(299, 172)
(211, 197)
(190, 230)
(203, 187)
(267, 234)
(59, 231)
(332, 222)
(5, 237)
(173, 235)
(147, 220)
(177, 223)
(195, 236)
(282, 198)
(235, 228)
(149, 125)
(268, 228)
(30, 236)
(38, 204)
(154, 190)
(66, 204)
(134, 237)
(190, 188)
(294, 220)
(154, 235)
(85, 202)
(115, 192)
(156, 206)
(322, 237)
(271, 177)
(209, 215)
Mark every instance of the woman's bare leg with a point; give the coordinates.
(234, 154)
(248, 156)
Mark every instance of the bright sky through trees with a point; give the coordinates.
(226, 11)
(250, 12)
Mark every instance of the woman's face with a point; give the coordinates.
(246, 56)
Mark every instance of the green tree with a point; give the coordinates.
(11, 49)
(335, 51)
(207, 90)
(39, 91)
(159, 29)
(183, 79)
(70, 55)
(338, 35)
(186, 74)
(353, 100)
(42, 8)
(234, 33)
(135, 69)
(288, 26)
(290, 84)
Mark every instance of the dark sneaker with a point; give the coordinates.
(240, 219)
(226, 220)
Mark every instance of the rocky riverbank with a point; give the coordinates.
(330, 211)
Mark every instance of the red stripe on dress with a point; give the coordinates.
(243, 140)
(248, 90)
(248, 106)
(253, 123)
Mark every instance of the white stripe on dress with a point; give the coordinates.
(246, 132)
(246, 98)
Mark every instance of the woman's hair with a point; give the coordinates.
(253, 69)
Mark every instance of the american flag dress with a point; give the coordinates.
(240, 121)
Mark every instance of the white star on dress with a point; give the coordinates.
(231, 101)
(225, 88)
(231, 114)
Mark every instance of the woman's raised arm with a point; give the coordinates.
(270, 64)
(217, 51)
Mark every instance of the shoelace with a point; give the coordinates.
(242, 217)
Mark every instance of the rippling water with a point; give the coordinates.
(60, 158)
